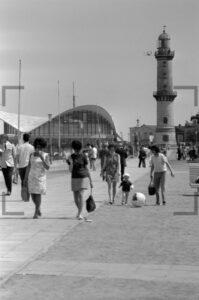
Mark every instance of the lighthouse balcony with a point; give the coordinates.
(163, 93)
(162, 53)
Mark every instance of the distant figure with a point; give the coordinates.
(23, 156)
(126, 185)
(123, 156)
(90, 150)
(184, 152)
(36, 174)
(8, 162)
(179, 152)
(142, 157)
(93, 157)
(103, 153)
(192, 153)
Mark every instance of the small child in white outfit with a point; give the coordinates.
(126, 185)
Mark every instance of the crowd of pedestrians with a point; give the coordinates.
(32, 162)
(187, 152)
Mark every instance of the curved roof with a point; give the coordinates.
(27, 123)
(94, 108)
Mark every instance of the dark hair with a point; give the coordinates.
(155, 148)
(26, 137)
(111, 146)
(76, 145)
(5, 136)
(39, 142)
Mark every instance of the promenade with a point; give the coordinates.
(125, 253)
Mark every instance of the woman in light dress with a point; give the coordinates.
(36, 174)
(111, 172)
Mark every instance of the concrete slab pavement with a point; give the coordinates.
(126, 253)
(22, 238)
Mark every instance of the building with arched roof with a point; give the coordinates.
(89, 123)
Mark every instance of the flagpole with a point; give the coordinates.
(19, 101)
(74, 104)
(59, 134)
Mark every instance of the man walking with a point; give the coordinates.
(8, 162)
(123, 156)
(142, 157)
(23, 156)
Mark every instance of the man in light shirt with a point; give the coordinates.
(23, 156)
(8, 161)
(93, 157)
(159, 164)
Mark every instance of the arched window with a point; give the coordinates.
(165, 120)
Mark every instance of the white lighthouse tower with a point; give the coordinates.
(165, 131)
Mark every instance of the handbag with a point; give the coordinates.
(25, 195)
(151, 188)
(90, 204)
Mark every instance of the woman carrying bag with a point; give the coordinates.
(80, 178)
(159, 165)
(90, 203)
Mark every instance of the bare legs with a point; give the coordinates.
(78, 198)
(111, 188)
(125, 196)
(36, 198)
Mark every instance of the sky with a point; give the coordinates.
(101, 46)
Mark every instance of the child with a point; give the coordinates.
(126, 186)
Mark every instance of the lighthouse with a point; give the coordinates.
(165, 130)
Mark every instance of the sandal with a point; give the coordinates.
(88, 220)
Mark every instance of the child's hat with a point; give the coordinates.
(126, 175)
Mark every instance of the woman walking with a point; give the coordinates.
(36, 174)
(110, 171)
(80, 176)
(159, 164)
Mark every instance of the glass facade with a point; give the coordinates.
(89, 126)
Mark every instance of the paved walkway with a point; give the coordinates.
(125, 253)
(22, 238)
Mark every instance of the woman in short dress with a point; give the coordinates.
(36, 174)
(80, 176)
(111, 171)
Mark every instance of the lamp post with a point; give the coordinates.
(50, 135)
